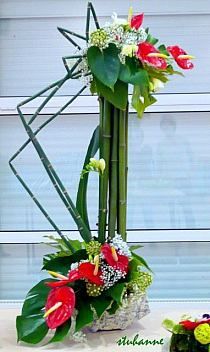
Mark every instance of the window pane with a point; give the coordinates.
(169, 172)
(181, 269)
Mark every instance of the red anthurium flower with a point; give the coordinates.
(114, 259)
(149, 54)
(87, 271)
(181, 57)
(136, 21)
(72, 276)
(191, 325)
(59, 306)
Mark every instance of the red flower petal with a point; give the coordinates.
(176, 51)
(136, 21)
(66, 296)
(120, 264)
(58, 283)
(144, 49)
(74, 275)
(191, 325)
(86, 271)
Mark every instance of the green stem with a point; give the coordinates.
(122, 175)
(113, 188)
(105, 136)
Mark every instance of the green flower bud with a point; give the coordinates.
(93, 248)
(93, 289)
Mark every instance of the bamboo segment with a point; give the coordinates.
(85, 233)
(105, 136)
(113, 186)
(122, 175)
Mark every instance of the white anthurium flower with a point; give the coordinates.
(157, 84)
(117, 20)
(129, 50)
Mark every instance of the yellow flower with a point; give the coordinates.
(202, 333)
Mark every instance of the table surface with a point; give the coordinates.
(148, 328)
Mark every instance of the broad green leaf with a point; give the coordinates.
(61, 332)
(116, 292)
(31, 329)
(36, 298)
(84, 316)
(141, 261)
(104, 64)
(81, 203)
(118, 97)
(131, 73)
(62, 264)
(100, 304)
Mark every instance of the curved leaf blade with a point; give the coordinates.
(81, 203)
(31, 329)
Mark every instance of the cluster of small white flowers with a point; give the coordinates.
(110, 275)
(120, 245)
(134, 36)
(115, 34)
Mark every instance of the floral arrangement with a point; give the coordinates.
(86, 283)
(96, 276)
(189, 335)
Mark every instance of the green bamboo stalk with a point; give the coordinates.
(126, 157)
(113, 184)
(94, 15)
(122, 175)
(42, 105)
(87, 22)
(59, 187)
(63, 32)
(52, 223)
(47, 122)
(105, 136)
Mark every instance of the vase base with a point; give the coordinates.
(133, 308)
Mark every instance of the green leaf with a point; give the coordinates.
(131, 73)
(81, 203)
(152, 40)
(84, 316)
(100, 304)
(36, 298)
(31, 329)
(133, 248)
(168, 324)
(141, 99)
(141, 261)
(118, 97)
(163, 50)
(116, 292)
(61, 332)
(62, 264)
(104, 64)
